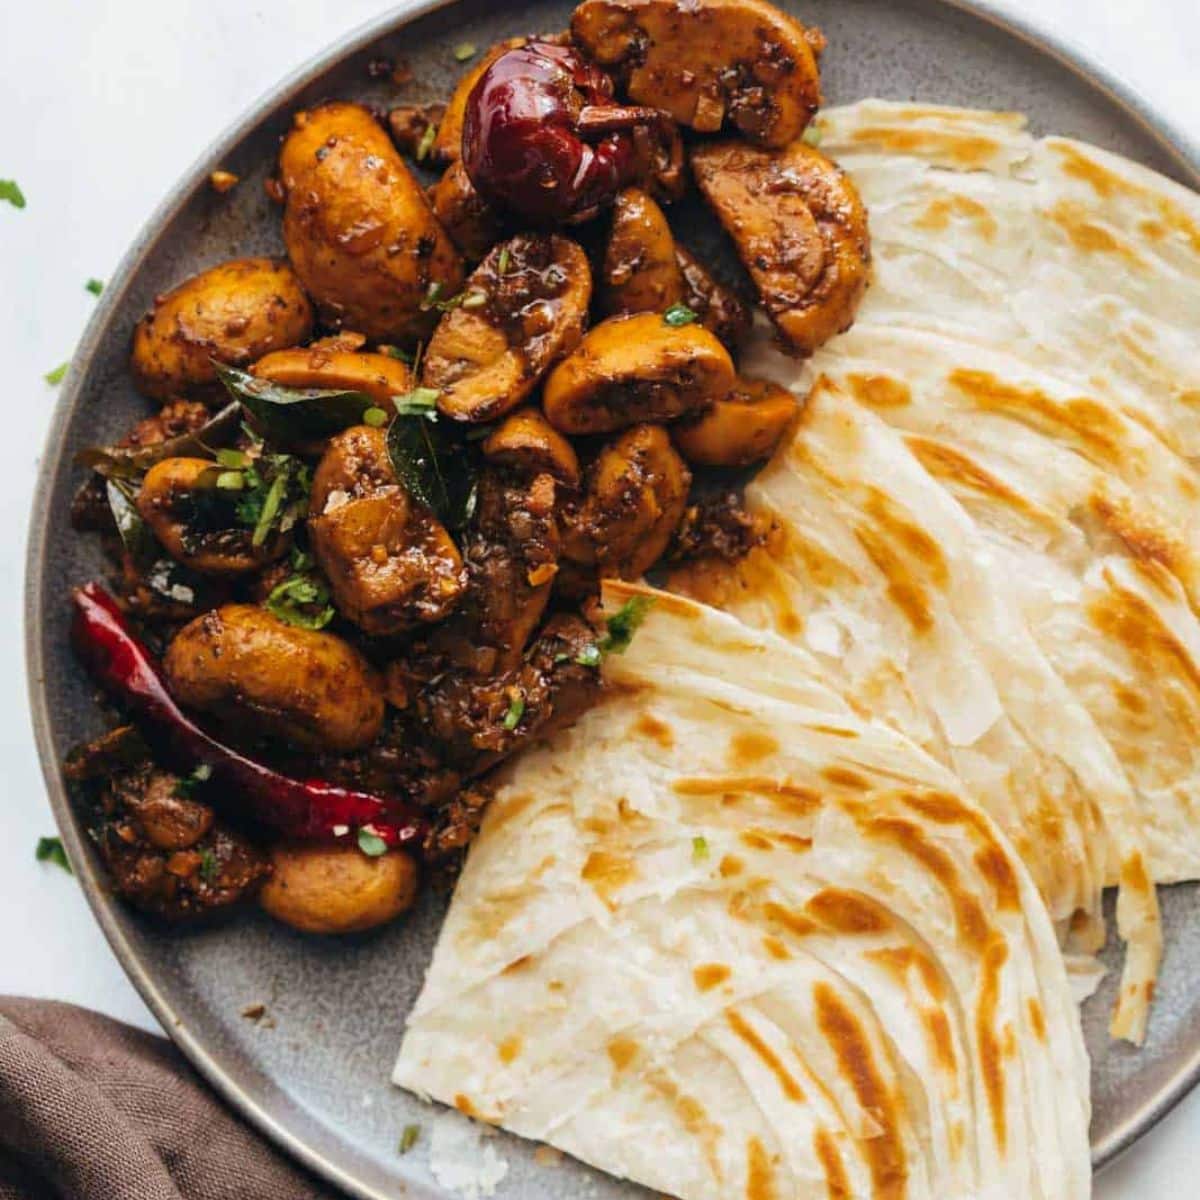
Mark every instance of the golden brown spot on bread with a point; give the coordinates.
(835, 731)
(518, 964)
(837, 1182)
(775, 948)
(969, 151)
(658, 731)
(1037, 1019)
(760, 1176)
(622, 1051)
(941, 210)
(899, 960)
(756, 840)
(1127, 619)
(1087, 236)
(795, 923)
(692, 1116)
(845, 778)
(1080, 421)
(790, 797)
(990, 1057)
(608, 873)
(994, 865)
(879, 391)
(1144, 538)
(969, 917)
(465, 1106)
(940, 1038)
(508, 806)
(948, 465)
(884, 1153)
(710, 975)
(731, 865)
(749, 747)
(903, 587)
(844, 911)
(745, 1031)
(1106, 183)
(509, 1049)
(1134, 877)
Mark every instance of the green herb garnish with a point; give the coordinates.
(371, 844)
(235, 460)
(590, 656)
(50, 849)
(516, 710)
(464, 51)
(699, 849)
(678, 315)
(295, 599)
(294, 416)
(95, 286)
(421, 401)
(428, 461)
(812, 136)
(409, 1138)
(377, 418)
(231, 481)
(502, 261)
(426, 143)
(624, 623)
(186, 786)
(209, 870)
(10, 191)
(56, 376)
(474, 299)
(396, 352)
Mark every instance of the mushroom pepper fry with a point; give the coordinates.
(304, 809)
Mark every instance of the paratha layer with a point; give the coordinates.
(728, 939)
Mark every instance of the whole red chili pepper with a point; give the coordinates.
(306, 809)
(544, 139)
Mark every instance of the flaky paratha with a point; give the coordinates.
(1020, 388)
(728, 939)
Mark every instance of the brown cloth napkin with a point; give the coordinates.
(91, 1109)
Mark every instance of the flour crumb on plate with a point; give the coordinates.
(460, 1161)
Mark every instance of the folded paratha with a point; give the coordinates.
(728, 939)
(986, 514)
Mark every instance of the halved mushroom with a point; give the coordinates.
(636, 368)
(195, 519)
(391, 564)
(641, 271)
(719, 308)
(473, 225)
(521, 310)
(708, 62)
(739, 429)
(800, 229)
(327, 365)
(636, 493)
(527, 443)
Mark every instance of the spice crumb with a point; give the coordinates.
(222, 181)
(254, 1012)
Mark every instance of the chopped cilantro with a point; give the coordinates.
(624, 623)
(371, 844)
(516, 710)
(589, 656)
(426, 143)
(812, 136)
(375, 417)
(56, 376)
(50, 849)
(464, 51)
(678, 315)
(502, 261)
(231, 481)
(95, 286)
(699, 849)
(301, 600)
(474, 299)
(409, 1138)
(186, 786)
(209, 870)
(235, 460)
(421, 401)
(11, 191)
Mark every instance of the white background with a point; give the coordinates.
(105, 103)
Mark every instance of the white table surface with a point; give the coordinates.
(105, 103)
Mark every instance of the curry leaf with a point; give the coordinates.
(291, 415)
(433, 467)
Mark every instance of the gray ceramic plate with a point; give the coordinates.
(318, 1081)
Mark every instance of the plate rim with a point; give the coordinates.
(1045, 37)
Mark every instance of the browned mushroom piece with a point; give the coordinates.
(720, 309)
(521, 310)
(391, 564)
(473, 225)
(635, 497)
(636, 368)
(709, 63)
(526, 443)
(325, 365)
(641, 269)
(741, 428)
(800, 229)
